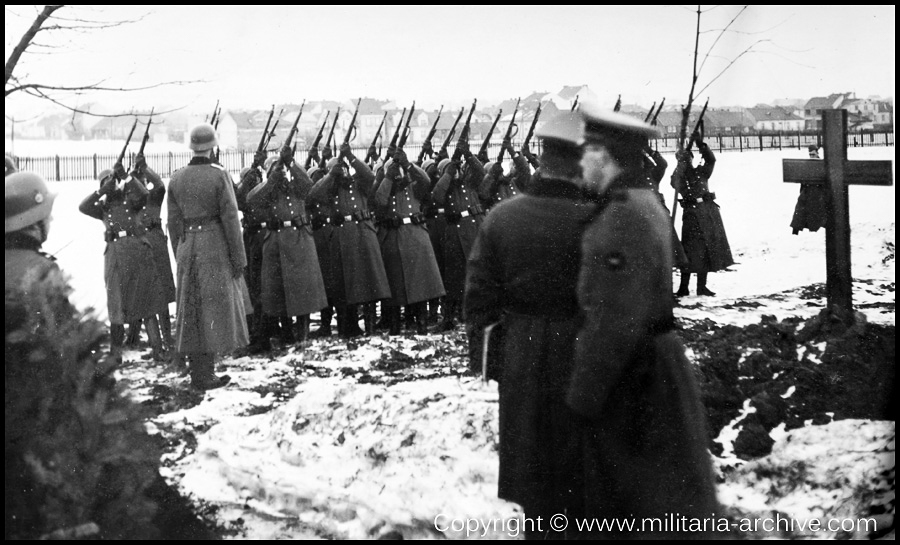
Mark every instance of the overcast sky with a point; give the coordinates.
(250, 57)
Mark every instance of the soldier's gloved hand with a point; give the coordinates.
(337, 169)
(526, 151)
(108, 185)
(392, 149)
(393, 170)
(140, 162)
(259, 157)
(483, 156)
(400, 157)
(497, 170)
(372, 153)
(286, 155)
(507, 145)
(453, 169)
(313, 153)
(442, 154)
(464, 148)
(427, 148)
(119, 171)
(326, 153)
(347, 152)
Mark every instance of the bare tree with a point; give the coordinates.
(49, 21)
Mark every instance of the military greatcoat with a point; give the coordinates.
(206, 236)
(655, 174)
(408, 255)
(292, 282)
(159, 242)
(355, 255)
(132, 282)
(702, 231)
(522, 272)
(463, 212)
(645, 441)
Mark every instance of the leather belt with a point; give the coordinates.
(112, 236)
(296, 223)
(196, 224)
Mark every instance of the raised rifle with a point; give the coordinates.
(656, 115)
(509, 131)
(272, 130)
(534, 121)
(450, 134)
(146, 136)
(212, 120)
(406, 130)
(618, 105)
(317, 140)
(330, 135)
(430, 136)
(262, 138)
(393, 144)
(574, 104)
(350, 136)
(293, 131)
(127, 141)
(650, 113)
(218, 118)
(464, 133)
(371, 153)
(483, 150)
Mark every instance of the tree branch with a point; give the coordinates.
(719, 37)
(38, 94)
(78, 88)
(730, 64)
(26, 40)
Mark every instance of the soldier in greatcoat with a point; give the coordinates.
(320, 215)
(457, 193)
(409, 260)
(810, 211)
(355, 255)
(435, 222)
(205, 232)
(292, 282)
(522, 275)
(159, 243)
(644, 438)
(655, 166)
(702, 231)
(132, 282)
(255, 221)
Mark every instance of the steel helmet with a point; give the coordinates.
(203, 137)
(10, 166)
(28, 200)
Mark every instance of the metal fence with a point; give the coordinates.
(63, 168)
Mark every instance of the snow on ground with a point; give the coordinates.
(376, 437)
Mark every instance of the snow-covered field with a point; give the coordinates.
(377, 437)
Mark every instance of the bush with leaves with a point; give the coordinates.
(78, 459)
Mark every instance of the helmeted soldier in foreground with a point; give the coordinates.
(702, 231)
(132, 283)
(408, 256)
(206, 236)
(644, 436)
(522, 274)
(291, 279)
(355, 255)
(28, 206)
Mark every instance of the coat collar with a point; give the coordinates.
(200, 161)
(564, 189)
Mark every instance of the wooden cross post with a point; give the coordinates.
(836, 172)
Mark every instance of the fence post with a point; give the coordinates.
(170, 164)
(95, 166)
(760, 141)
(719, 138)
(741, 142)
(57, 169)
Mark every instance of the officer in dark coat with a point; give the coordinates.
(159, 243)
(457, 193)
(407, 252)
(522, 274)
(655, 166)
(291, 279)
(645, 437)
(810, 212)
(132, 283)
(498, 186)
(206, 235)
(255, 221)
(355, 255)
(702, 231)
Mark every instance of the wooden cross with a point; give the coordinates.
(836, 172)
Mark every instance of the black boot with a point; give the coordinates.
(350, 321)
(116, 341)
(369, 318)
(134, 334)
(409, 318)
(302, 329)
(165, 327)
(420, 312)
(203, 376)
(324, 324)
(701, 285)
(393, 315)
(433, 310)
(158, 350)
(450, 311)
(683, 287)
